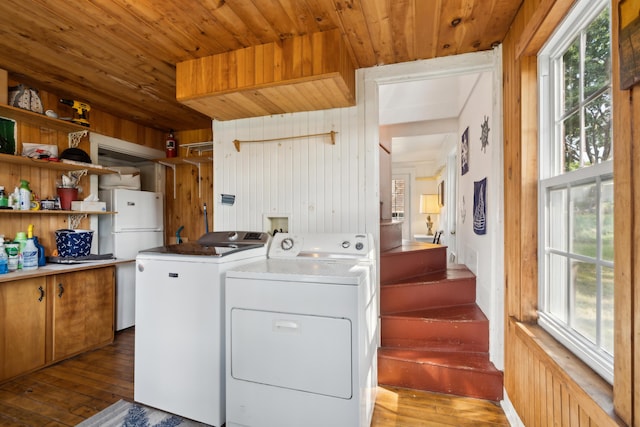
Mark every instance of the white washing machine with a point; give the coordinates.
(302, 333)
(179, 343)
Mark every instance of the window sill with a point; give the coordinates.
(572, 370)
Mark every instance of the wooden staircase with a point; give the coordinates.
(433, 335)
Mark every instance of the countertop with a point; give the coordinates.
(51, 269)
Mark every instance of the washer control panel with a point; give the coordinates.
(321, 245)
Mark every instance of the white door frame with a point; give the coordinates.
(369, 80)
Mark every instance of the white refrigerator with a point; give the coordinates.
(137, 225)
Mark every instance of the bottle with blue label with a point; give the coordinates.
(30, 252)
(25, 195)
(4, 259)
(21, 239)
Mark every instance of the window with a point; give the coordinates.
(397, 198)
(576, 186)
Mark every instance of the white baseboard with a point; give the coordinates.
(510, 411)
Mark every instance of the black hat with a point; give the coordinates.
(76, 155)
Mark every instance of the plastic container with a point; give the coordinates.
(14, 199)
(13, 253)
(73, 243)
(4, 200)
(30, 252)
(25, 195)
(21, 239)
(30, 255)
(42, 259)
(4, 258)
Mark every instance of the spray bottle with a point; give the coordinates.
(30, 252)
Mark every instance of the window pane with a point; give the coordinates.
(585, 291)
(584, 204)
(598, 131)
(607, 309)
(571, 76)
(397, 198)
(558, 219)
(571, 139)
(597, 62)
(606, 213)
(558, 287)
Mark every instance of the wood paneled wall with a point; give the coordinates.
(193, 189)
(544, 382)
(184, 209)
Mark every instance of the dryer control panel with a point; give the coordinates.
(322, 246)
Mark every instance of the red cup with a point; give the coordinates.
(67, 195)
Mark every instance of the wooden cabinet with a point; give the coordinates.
(83, 307)
(23, 306)
(49, 317)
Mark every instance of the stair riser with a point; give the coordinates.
(390, 235)
(398, 266)
(463, 336)
(441, 379)
(394, 299)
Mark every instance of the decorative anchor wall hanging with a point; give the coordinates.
(484, 134)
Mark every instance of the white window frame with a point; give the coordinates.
(551, 178)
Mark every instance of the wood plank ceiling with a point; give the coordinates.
(120, 55)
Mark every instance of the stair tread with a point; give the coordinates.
(454, 313)
(440, 346)
(411, 246)
(451, 273)
(477, 361)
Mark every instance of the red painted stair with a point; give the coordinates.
(433, 335)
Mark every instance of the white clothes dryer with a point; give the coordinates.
(302, 333)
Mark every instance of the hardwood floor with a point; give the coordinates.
(69, 392)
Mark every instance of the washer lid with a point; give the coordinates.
(192, 248)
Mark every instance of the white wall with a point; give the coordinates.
(325, 188)
(320, 187)
(480, 253)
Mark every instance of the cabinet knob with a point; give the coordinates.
(61, 289)
(41, 294)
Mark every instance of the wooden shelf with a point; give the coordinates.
(37, 119)
(45, 164)
(53, 212)
(191, 160)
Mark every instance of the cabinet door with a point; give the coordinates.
(83, 310)
(22, 326)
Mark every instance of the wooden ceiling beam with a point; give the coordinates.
(306, 73)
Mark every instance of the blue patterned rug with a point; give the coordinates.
(127, 414)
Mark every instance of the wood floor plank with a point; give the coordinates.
(74, 390)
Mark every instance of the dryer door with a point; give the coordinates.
(299, 352)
